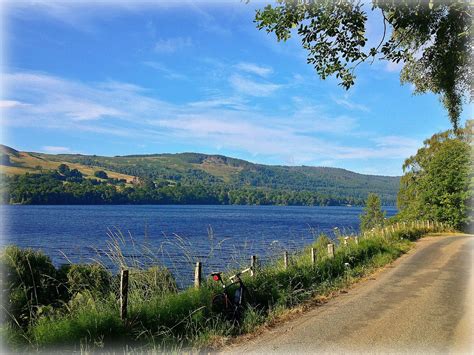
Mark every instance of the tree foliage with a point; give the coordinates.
(216, 171)
(101, 174)
(438, 180)
(51, 187)
(373, 215)
(431, 38)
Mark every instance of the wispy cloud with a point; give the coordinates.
(306, 135)
(345, 102)
(168, 73)
(394, 67)
(254, 69)
(232, 103)
(404, 146)
(11, 103)
(83, 16)
(55, 149)
(253, 88)
(55, 97)
(171, 45)
(208, 22)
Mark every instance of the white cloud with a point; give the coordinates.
(233, 103)
(394, 67)
(55, 149)
(304, 135)
(206, 21)
(401, 146)
(171, 45)
(345, 102)
(254, 69)
(11, 104)
(253, 88)
(298, 78)
(84, 16)
(309, 116)
(168, 73)
(55, 97)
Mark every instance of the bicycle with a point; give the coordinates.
(231, 306)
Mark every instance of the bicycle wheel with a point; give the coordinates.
(221, 304)
(247, 298)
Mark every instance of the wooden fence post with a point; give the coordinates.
(123, 293)
(331, 250)
(356, 239)
(313, 256)
(197, 274)
(253, 264)
(285, 259)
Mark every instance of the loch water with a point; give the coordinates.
(222, 237)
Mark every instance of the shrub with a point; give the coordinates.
(91, 277)
(101, 174)
(28, 282)
(411, 234)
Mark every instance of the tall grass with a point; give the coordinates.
(161, 317)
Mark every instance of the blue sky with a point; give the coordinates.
(138, 78)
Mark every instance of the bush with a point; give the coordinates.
(91, 277)
(101, 174)
(28, 282)
(411, 234)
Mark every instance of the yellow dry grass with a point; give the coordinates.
(27, 163)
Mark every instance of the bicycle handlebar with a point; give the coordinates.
(239, 273)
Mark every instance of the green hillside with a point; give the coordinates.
(318, 185)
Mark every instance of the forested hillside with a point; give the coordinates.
(185, 178)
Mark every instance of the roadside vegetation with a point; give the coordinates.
(75, 307)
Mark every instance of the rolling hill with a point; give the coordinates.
(193, 169)
(24, 162)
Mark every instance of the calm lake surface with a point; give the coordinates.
(221, 237)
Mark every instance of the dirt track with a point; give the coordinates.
(422, 303)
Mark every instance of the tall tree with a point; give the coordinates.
(431, 37)
(438, 180)
(373, 215)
